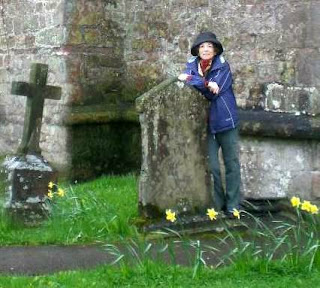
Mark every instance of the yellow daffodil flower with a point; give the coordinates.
(212, 214)
(306, 206)
(236, 213)
(314, 209)
(60, 192)
(295, 201)
(170, 216)
(50, 185)
(50, 195)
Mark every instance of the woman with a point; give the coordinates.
(210, 74)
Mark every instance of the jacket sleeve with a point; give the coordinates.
(223, 78)
(199, 83)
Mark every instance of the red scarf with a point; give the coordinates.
(205, 66)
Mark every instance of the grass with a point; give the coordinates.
(100, 210)
(161, 275)
(104, 210)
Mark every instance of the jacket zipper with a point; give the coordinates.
(225, 101)
(228, 110)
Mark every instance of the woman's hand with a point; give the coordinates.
(213, 87)
(183, 77)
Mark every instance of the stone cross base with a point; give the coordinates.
(27, 214)
(27, 182)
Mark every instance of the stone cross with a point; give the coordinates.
(36, 91)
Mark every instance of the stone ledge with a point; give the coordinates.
(292, 99)
(98, 115)
(190, 225)
(252, 122)
(279, 125)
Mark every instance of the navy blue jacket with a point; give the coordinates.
(223, 114)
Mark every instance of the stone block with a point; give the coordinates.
(267, 72)
(283, 98)
(312, 35)
(27, 186)
(300, 185)
(90, 18)
(259, 178)
(293, 24)
(275, 169)
(92, 37)
(2, 114)
(3, 42)
(146, 45)
(315, 184)
(51, 37)
(316, 156)
(308, 67)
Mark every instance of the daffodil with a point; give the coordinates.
(314, 209)
(236, 213)
(212, 214)
(60, 192)
(50, 194)
(306, 206)
(51, 184)
(295, 201)
(170, 216)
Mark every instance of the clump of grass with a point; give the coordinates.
(292, 243)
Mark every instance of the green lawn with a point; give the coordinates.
(159, 275)
(105, 210)
(100, 210)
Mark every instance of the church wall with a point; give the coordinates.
(105, 53)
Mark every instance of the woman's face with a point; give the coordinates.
(206, 51)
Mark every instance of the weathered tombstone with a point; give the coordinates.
(28, 173)
(174, 172)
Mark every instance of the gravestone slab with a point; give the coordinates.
(27, 186)
(174, 172)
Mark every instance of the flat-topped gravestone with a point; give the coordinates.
(174, 172)
(28, 173)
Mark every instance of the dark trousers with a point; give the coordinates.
(228, 141)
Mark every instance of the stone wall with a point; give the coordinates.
(38, 38)
(83, 44)
(104, 53)
(264, 41)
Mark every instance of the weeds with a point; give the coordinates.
(294, 244)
